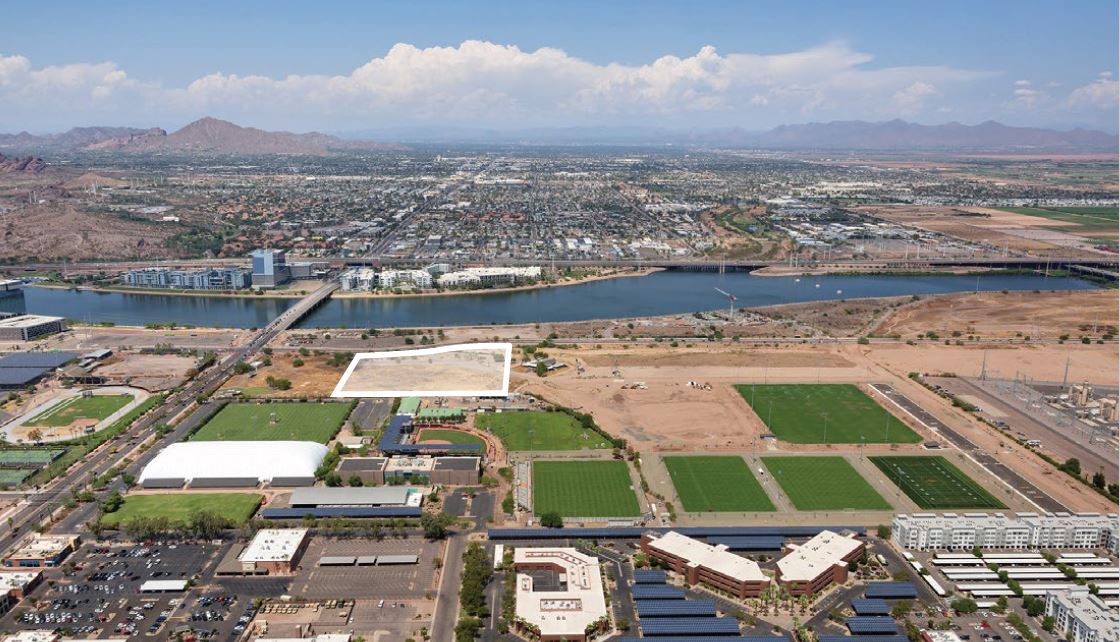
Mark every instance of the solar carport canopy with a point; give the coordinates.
(872, 625)
(873, 606)
(891, 590)
(674, 608)
(705, 626)
(649, 576)
(656, 592)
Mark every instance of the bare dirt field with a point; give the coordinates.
(151, 372)
(992, 314)
(315, 378)
(470, 368)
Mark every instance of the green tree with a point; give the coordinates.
(355, 480)
(435, 525)
(963, 605)
(1098, 480)
(552, 520)
(112, 503)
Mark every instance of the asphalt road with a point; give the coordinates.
(1000, 471)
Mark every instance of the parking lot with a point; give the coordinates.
(96, 593)
(395, 582)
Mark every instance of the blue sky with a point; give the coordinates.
(332, 66)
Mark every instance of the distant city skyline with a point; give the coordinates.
(347, 66)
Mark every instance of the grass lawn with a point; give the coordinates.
(294, 422)
(716, 483)
(451, 437)
(824, 483)
(68, 411)
(825, 414)
(584, 489)
(21, 457)
(934, 483)
(236, 507)
(529, 430)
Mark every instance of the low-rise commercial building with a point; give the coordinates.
(699, 562)
(445, 471)
(275, 551)
(1081, 616)
(24, 327)
(15, 585)
(953, 531)
(325, 496)
(807, 569)
(568, 611)
(41, 550)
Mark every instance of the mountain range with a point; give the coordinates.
(210, 135)
(206, 135)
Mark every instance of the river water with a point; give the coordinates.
(657, 294)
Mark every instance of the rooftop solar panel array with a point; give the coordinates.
(674, 608)
(695, 626)
(872, 606)
(36, 359)
(657, 592)
(891, 590)
(872, 625)
(649, 576)
(749, 542)
(20, 376)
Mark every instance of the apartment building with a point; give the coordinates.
(953, 531)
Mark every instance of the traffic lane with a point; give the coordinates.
(447, 603)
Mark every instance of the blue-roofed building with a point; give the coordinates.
(695, 626)
(674, 608)
(706, 638)
(36, 359)
(400, 426)
(649, 576)
(690, 531)
(872, 625)
(657, 592)
(871, 606)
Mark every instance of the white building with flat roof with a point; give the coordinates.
(274, 550)
(810, 567)
(1081, 616)
(577, 603)
(930, 531)
(24, 327)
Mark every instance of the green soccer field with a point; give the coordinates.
(722, 483)
(823, 483)
(584, 489)
(275, 422)
(451, 437)
(70, 410)
(935, 483)
(178, 508)
(825, 414)
(530, 430)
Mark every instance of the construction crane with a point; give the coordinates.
(730, 304)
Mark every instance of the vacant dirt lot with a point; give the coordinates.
(991, 314)
(148, 371)
(313, 379)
